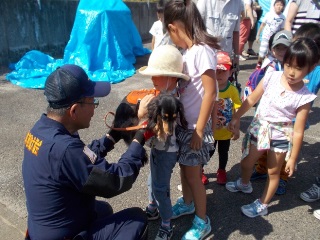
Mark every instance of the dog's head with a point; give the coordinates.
(125, 116)
(163, 112)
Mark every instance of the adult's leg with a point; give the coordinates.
(245, 27)
(103, 209)
(128, 224)
(251, 39)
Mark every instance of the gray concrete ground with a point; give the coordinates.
(289, 217)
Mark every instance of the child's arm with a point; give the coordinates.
(298, 132)
(214, 116)
(208, 81)
(236, 105)
(152, 42)
(250, 101)
(143, 110)
(236, 132)
(259, 31)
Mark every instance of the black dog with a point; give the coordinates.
(163, 110)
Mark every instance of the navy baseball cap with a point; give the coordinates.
(69, 83)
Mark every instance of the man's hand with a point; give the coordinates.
(142, 136)
(114, 135)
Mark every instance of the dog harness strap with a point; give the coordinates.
(141, 126)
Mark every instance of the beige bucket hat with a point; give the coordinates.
(165, 60)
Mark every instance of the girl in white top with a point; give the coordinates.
(187, 30)
(283, 98)
(159, 37)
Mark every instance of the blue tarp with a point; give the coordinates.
(104, 41)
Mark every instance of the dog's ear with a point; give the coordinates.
(145, 159)
(153, 112)
(183, 120)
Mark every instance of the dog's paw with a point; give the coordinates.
(145, 160)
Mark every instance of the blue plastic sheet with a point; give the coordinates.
(104, 42)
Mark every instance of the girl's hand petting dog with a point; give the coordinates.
(143, 110)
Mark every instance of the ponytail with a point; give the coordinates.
(187, 12)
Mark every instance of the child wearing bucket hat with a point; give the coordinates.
(165, 69)
(228, 102)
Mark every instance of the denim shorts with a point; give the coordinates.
(275, 145)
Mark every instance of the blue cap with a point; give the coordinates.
(70, 83)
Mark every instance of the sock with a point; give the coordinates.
(204, 220)
(152, 207)
(245, 185)
(264, 205)
(166, 224)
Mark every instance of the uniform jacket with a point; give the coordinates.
(62, 176)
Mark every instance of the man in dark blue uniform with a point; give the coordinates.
(62, 176)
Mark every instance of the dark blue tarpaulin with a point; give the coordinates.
(104, 41)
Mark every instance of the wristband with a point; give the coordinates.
(139, 136)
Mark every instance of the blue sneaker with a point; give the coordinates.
(180, 208)
(256, 175)
(254, 209)
(199, 230)
(282, 187)
(237, 186)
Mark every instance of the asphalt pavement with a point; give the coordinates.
(289, 217)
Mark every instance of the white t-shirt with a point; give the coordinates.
(274, 23)
(196, 60)
(157, 31)
(222, 19)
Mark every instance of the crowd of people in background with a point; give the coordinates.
(197, 45)
(273, 28)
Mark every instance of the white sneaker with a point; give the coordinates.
(316, 213)
(245, 54)
(241, 58)
(237, 186)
